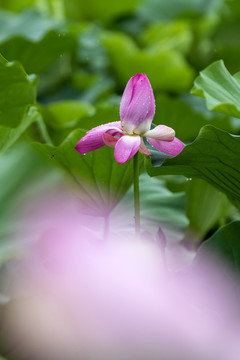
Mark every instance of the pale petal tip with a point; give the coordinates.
(172, 148)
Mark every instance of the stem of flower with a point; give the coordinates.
(136, 194)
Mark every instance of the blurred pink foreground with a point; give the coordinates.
(80, 296)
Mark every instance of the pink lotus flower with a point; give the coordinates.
(137, 109)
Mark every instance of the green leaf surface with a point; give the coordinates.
(213, 156)
(161, 205)
(34, 40)
(63, 117)
(66, 114)
(29, 24)
(225, 243)
(169, 35)
(206, 207)
(38, 56)
(17, 91)
(166, 70)
(227, 42)
(17, 95)
(16, 5)
(187, 119)
(2, 60)
(16, 166)
(104, 113)
(102, 180)
(104, 10)
(220, 89)
(9, 135)
(160, 10)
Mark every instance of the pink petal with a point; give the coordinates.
(143, 150)
(137, 106)
(109, 137)
(94, 138)
(109, 140)
(172, 148)
(115, 132)
(161, 132)
(126, 147)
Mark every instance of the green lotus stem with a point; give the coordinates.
(136, 194)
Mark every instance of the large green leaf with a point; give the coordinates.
(29, 24)
(225, 243)
(187, 119)
(102, 180)
(34, 40)
(17, 90)
(206, 207)
(17, 95)
(165, 69)
(220, 89)
(37, 56)
(9, 135)
(160, 205)
(213, 156)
